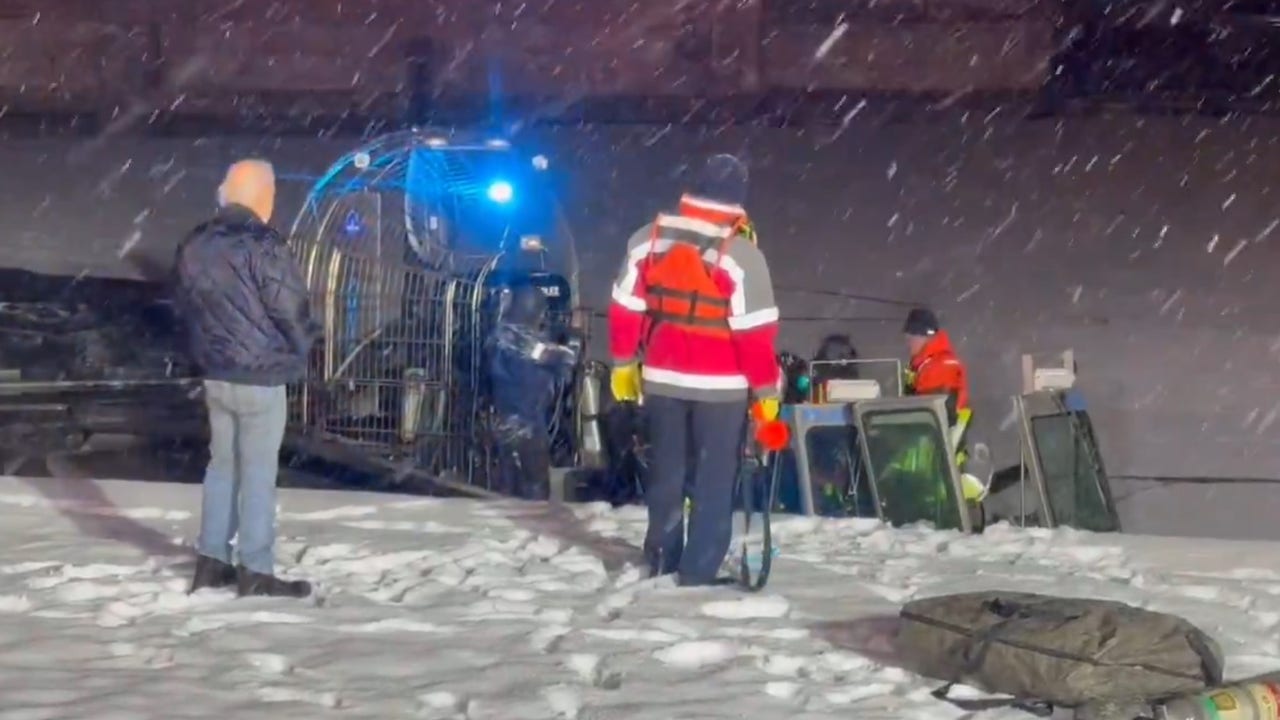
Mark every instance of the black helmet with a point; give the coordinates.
(523, 304)
(921, 322)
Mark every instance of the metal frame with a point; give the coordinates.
(1031, 469)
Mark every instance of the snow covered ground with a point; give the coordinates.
(460, 609)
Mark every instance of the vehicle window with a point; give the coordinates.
(838, 479)
(1070, 474)
(788, 497)
(908, 454)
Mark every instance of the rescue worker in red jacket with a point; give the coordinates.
(935, 369)
(692, 325)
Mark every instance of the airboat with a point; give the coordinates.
(406, 244)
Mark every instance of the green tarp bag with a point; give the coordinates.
(1053, 651)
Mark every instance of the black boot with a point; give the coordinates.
(212, 573)
(250, 583)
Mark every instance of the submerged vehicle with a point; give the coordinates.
(858, 452)
(406, 245)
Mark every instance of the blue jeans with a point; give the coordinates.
(246, 428)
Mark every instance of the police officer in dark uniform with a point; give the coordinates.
(525, 365)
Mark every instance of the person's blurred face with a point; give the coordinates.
(915, 343)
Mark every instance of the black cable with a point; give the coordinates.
(849, 296)
(1198, 480)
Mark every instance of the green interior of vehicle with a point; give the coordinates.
(912, 472)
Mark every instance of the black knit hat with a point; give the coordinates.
(722, 178)
(921, 322)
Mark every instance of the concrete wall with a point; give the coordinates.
(1146, 244)
(211, 56)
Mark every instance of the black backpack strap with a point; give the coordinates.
(1038, 708)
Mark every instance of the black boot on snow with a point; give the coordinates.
(212, 573)
(252, 584)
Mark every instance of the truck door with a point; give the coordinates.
(1063, 463)
(911, 461)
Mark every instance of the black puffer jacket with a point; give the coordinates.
(244, 302)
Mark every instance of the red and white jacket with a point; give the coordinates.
(691, 366)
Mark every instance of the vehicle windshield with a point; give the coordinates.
(912, 472)
(1071, 474)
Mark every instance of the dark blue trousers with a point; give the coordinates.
(694, 445)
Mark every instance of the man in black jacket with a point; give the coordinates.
(247, 314)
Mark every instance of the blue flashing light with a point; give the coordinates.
(500, 191)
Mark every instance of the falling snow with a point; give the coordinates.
(824, 48)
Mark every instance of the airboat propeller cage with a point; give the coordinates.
(456, 199)
(404, 244)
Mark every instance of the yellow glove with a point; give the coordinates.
(766, 410)
(624, 381)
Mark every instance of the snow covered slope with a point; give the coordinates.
(458, 609)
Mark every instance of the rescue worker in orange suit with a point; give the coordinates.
(692, 327)
(934, 368)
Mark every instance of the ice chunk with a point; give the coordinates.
(750, 607)
(696, 653)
